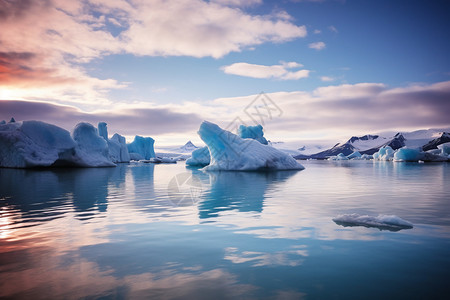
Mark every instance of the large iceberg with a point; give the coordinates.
(33, 143)
(37, 144)
(252, 132)
(445, 149)
(199, 157)
(141, 148)
(382, 222)
(117, 146)
(92, 149)
(231, 152)
(355, 155)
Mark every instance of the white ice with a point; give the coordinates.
(389, 222)
(411, 154)
(231, 152)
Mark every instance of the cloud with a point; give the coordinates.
(44, 45)
(327, 112)
(261, 71)
(327, 78)
(333, 29)
(238, 3)
(126, 121)
(317, 31)
(317, 46)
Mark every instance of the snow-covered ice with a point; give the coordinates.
(252, 132)
(382, 222)
(231, 152)
(141, 148)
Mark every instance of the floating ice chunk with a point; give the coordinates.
(382, 222)
(409, 154)
(200, 157)
(340, 156)
(252, 132)
(163, 160)
(354, 155)
(385, 153)
(230, 152)
(366, 156)
(118, 150)
(91, 150)
(445, 149)
(34, 144)
(142, 146)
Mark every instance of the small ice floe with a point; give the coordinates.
(382, 222)
(421, 162)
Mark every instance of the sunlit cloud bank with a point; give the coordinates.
(45, 44)
(326, 112)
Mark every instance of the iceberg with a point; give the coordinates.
(200, 157)
(409, 154)
(91, 149)
(385, 153)
(34, 144)
(382, 222)
(445, 149)
(340, 156)
(141, 148)
(30, 144)
(252, 132)
(231, 152)
(354, 155)
(117, 147)
(366, 157)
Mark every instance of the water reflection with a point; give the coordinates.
(240, 191)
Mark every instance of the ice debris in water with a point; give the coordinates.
(382, 222)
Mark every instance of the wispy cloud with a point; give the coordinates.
(317, 46)
(333, 29)
(281, 71)
(327, 78)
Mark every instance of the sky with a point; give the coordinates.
(304, 69)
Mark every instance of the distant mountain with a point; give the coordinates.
(188, 147)
(369, 144)
(444, 138)
(353, 144)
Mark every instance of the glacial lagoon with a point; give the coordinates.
(171, 232)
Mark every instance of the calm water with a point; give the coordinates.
(165, 231)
